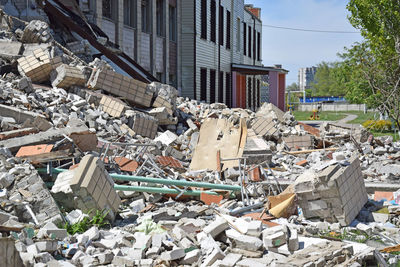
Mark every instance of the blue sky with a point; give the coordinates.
(296, 49)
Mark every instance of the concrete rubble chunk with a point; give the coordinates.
(216, 227)
(65, 76)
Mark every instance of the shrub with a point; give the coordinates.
(378, 125)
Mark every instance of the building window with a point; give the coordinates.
(258, 46)
(258, 93)
(238, 34)
(244, 38)
(254, 92)
(250, 47)
(109, 9)
(203, 84)
(172, 80)
(213, 22)
(221, 25)
(172, 23)
(228, 93)
(204, 19)
(212, 85)
(130, 13)
(146, 16)
(160, 17)
(228, 29)
(221, 87)
(249, 92)
(160, 77)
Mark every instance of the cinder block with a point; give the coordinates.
(113, 106)
(117, 84)
(92, 177)
(65, 76)
(38, 66)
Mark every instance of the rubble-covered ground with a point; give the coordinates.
(100, 169)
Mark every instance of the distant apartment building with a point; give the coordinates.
(306, 77)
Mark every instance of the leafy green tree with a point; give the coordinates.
(292, 87)
(374, 65)
(326, 80)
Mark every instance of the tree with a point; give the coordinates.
(292, 87)
(377, 60)
(326, 82)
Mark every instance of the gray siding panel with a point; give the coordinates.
(159, 59)
(145, 51)
(128, 42)
(187, 43)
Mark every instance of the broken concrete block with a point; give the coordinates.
(47, 246)
(216, 227)
(245, 242)
(143, 125)
(230, 260)
(191, 257)
(90, 187)
(6, 179)
(335, 194)
(293, 240)
(162, 116)
(25, 84)
(50, 230)
(274, 237)
(65, 76)
(215, 255)
(166, 138)
(299, 142)
(132, 90)
(113, 106)
(9, 256)
(37, 66)
(36, 31)
(264, 127)
(174, 254)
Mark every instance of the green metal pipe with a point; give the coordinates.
(159, 190)
(162, 181)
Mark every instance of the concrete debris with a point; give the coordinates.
(101, 168)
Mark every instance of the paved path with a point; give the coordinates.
(342, 122)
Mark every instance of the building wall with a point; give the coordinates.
(149, 49)
(187, 59)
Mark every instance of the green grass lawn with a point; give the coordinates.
(323, 116)
(335, 115)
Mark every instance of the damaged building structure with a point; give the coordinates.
(103, 165)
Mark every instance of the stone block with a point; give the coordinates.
(174, 254)
(143, 124)
(216, 227)
(246, 242)
(274, 237)
(230, 260)
(191, 257)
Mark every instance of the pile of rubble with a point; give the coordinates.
(100, 168)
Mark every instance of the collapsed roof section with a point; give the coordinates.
(66, 14)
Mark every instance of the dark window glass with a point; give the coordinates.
(228, 93)
(244, 38)
(221, 87)
(221, 25)
(213, 22)
(203, 84)
(228, 29)
(212, 85)
(204, 19)
(172, 23)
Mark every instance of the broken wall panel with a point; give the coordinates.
(295, 142)
(219, 135)
(38, 66)
(144, 125)
(117, 84)
(336, 194)
(113, 106)
(65, 76)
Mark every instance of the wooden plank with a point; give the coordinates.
(50, 156)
